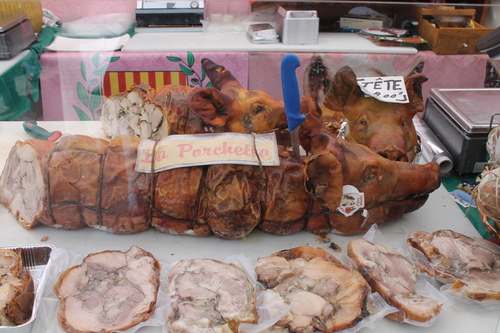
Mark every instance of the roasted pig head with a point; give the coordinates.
(391, 188)
(386, 128)
(227, 104)
(172, 109)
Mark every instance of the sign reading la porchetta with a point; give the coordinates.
(183, 150)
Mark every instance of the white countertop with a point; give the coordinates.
(440, 212)
(339, 42)
(6, 64)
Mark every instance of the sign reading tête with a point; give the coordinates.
(176, 151)
(390, 89)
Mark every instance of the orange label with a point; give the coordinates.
(176, 151)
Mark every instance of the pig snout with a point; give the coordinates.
(389, 146)
(394, 154)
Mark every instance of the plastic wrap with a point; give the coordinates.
(269, 307)
(426, 285)
(46, 320)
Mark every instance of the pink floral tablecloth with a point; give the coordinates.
(75, 84)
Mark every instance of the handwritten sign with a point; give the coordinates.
(390, 89)
(178, 151)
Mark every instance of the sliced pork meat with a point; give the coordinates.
(324, 295)
(208, 295)
(395, 278)
(110, 290)
(472, 265)
(134, 112)
(17, 293)
(23, 189)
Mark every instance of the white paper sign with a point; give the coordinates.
(390, 89)
(177, 151)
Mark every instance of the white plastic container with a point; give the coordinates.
(297, 26)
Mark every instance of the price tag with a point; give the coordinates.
(352, 200)
(390, 89)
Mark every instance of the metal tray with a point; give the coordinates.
(471, 109)
(40, 257)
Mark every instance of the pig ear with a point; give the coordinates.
(413, 85)
(325, 179)
(318, 74)
(219, 76)
(343, 89)
(210, 105)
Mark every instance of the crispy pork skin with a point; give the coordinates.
(391, 188)
(16, 289)
(124, 193)
(177, 202)
(472, 265)
(110, 290)
(395, 278)
(286, 200)
(208, 295)
(324, 295)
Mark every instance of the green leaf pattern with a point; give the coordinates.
(89, 92)
(186, 67)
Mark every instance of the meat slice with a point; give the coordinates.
(23, 189)
(472, 265)
(110, 290)
(16, 289)
(395, 278)
(324, 295)
(208, 295)
(134, 112)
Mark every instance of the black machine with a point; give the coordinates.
(168, 15)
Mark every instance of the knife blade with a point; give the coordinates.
(291, 97)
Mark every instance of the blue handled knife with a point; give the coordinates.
(291, 97)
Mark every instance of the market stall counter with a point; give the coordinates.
(439, 212)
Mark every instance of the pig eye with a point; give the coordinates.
(369, 177)
(363, 121)
(259, 109)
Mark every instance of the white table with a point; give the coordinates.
(339, 42)
(440, 212)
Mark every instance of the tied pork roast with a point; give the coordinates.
(395, 278)
(17, 293)
(324, 295)
(82, 181)
(471, 265)
(110, 290)
(208, 295)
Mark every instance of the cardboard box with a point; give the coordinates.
(447, 38)
(444, 30)
(355, 24)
